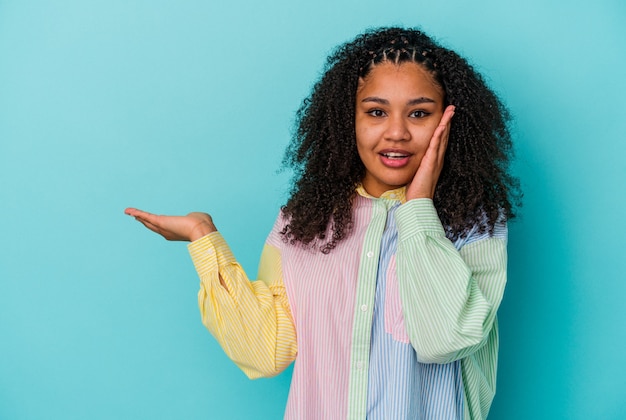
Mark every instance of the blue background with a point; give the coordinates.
(181, 106)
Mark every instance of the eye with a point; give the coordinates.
(419, 114)
(376, 113)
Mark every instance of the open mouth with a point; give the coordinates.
(395, 155)
(395, 159)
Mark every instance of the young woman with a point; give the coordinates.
(384, 271)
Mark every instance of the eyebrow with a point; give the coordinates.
(416, 101)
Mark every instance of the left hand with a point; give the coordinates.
(425, 180)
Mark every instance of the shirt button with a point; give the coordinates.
(363, 308)
(370, 254)
(359, 365)
(392, 195)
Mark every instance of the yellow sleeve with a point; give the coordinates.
(250, 319)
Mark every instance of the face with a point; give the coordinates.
(398, 108)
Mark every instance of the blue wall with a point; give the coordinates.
(180, 106)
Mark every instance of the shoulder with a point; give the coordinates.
(275, 236)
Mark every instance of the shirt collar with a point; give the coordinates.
(398, 194)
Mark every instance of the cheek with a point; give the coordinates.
(423, 135)
(365, 154)
(364, 140)
(422, 143)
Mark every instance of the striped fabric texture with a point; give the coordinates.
(396, 322)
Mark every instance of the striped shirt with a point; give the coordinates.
(396, 322)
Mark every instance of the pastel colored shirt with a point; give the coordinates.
(396, 322)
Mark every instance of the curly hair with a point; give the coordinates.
(474, 187)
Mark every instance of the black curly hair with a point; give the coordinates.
(475, 185)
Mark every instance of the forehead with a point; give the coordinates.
(406, 77)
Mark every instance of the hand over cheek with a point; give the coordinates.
(425, 180)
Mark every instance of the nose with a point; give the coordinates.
(397, 129)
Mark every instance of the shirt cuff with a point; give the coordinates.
(418, 216)
(210, 252)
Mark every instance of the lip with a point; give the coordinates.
(394, 158)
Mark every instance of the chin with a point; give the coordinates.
(397, 183)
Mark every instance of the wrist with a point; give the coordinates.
(412, 195)
(200, 230)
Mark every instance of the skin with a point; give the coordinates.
(175, 228)
(401, 129)
(399, 110)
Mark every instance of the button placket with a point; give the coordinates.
(362, 328)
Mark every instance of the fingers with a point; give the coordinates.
(439, 140)
(150, 226)
(427, 175)
(443, 129)
(136, 212)
(142, 216)
(448, 113)
(149, 220)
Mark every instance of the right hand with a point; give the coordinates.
(175, 228)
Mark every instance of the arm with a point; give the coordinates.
(251, 320)
(449, 297)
